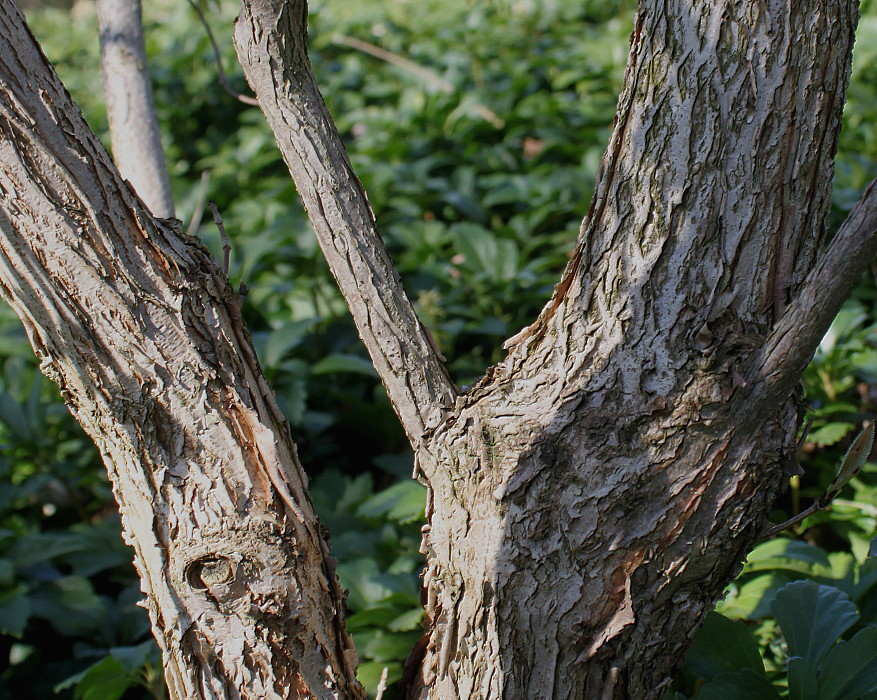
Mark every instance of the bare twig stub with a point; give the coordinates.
(226, 245)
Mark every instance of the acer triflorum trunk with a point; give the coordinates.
(138, 326)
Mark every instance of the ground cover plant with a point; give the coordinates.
(479, 190)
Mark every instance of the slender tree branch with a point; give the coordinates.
(774, 530)
(223, 79)
(134, 128)
(425, 74)
(796, 336)
(271, 41)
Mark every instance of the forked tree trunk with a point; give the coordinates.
(591, 496)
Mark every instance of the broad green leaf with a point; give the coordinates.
(106, 680)
(14, 611)
(369, 673)
(850, 669)
(742, 685)
(362, 578)
(812, 617)
(404, 502)
(409, 620)
(7, 573)
(373, 617)
(339, 364)
(282, 340)
(41, 547)
(70, 604)
(132, 658)
(830, 434)
(752, 599)
(787, 554)
(803, 682)
(391, 647)
(723, 645)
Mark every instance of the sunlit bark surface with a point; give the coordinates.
(140, 329)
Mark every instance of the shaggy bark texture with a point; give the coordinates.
(592, 496)
(138, 326)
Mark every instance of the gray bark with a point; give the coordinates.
(591, 497)
(138, 326)
(130, 106)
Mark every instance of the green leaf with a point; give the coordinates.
(70, 604)
(340, 363)
(803, 682)
(856, 456)
(404, 502)
(133, 658)
(7, 573)
(742, 685)
(850, 669)
(106, 680)
(282, 340)
(787, 554)
(373, 617)
(14, 611)
(369, 673)
(723, 645)
(362, 578)
(830, 434)
(391, 647)
(752, 599)
(812, 617)
(409, 620)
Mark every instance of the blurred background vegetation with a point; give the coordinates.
(480, 164)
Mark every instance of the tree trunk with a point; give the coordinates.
(130, 106)
(591, 496)
(138, 326)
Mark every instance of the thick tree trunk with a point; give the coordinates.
(130, 106)
(140, 329)
(592, 496)
(599, 489)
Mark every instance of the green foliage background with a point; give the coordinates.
(478, 214)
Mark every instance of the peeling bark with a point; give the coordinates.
(138, 326)
(591, 497)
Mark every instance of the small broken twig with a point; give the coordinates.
(226, 246)
(223, 79)
(855, 457)
(382, 685)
